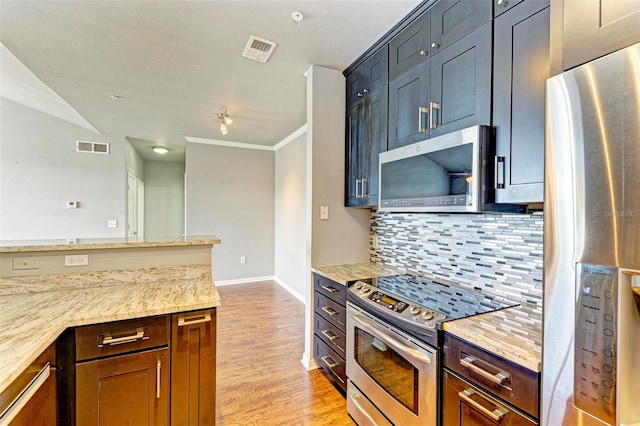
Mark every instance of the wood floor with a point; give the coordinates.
(261, 380)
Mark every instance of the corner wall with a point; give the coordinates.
(41, 170)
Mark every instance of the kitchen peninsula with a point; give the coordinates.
(131, 298)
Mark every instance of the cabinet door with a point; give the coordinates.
(461, 84)
(466, 405)
(408, 103)
(124, 390)
(370, 76)
(521, 64)
(410, 47)
(193, 369)
(501, 6)
(453, 19)
(375, 142)
(594, 28)
(354, 137)
(41, 408)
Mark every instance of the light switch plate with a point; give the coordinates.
(324, 212)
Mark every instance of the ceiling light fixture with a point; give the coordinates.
(115, 97)
(225, 120)
(297, 17)
(160, 150)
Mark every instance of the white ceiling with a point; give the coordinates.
(176, 64)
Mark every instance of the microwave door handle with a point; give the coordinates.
(398, 346)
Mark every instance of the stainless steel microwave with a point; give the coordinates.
(445, 174)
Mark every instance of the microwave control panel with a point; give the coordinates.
(595, 341)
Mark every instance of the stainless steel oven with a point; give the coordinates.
(389, 372)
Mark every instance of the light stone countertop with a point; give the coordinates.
(346, 273)
(103, 243)
(35, 310)
(513, 333)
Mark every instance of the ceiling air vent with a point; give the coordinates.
(259, 49)
(94, 147)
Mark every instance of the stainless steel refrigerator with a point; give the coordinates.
(591, 350)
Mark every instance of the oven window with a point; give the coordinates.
(390, 370)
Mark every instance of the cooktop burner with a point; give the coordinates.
(420, 305)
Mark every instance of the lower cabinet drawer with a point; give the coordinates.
(332, 311)
(331, 335)
(331, 362)
(464, 404)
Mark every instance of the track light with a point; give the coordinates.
(225, 120)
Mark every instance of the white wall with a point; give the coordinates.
(41, 170)
(163, 199)
(344, 238)
(230, 194)
(291, 216)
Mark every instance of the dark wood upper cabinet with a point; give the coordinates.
(596, 28)
(366, 129)
(408, 106)
(453, 19)
(521, 67)
(501, 6)
(461, 83)
(410, 47)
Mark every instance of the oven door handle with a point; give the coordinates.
(380, 335)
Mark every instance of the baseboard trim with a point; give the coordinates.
(309, 363)
(244, 280)
(291, 290)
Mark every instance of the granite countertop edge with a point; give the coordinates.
(33, 319)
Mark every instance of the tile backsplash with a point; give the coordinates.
(496, 253)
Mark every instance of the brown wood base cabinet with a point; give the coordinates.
(124, 390)
(193, 372)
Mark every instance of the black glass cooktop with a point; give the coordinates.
(441, 296)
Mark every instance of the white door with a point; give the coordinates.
(132, 206)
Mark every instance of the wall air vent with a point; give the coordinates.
(93, 147)
(259, 49)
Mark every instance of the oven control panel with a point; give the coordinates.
(397, 306)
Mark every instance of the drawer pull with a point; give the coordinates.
(108, 339)
(25, 396)
(328, 310)
(330, 362)
(497, 378)
(329, 335)
(158, 371)
(330, 289)
(194, 319)
(496, 414)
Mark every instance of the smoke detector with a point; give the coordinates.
(259, 49)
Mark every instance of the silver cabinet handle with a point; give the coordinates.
(330, 289)
(503, 3)
(25, 396)
(108, 339)
(500, 171)
(194, 319)
(435, 45)
(331, 363)
(432, 106)
(496, 414)
(424, 53)
(365, 194)
(421, 110)
(498, 378)
(357, 188)
(158, 371)
(329, 335)
(328, 310)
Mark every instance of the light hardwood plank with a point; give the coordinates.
(261, 380)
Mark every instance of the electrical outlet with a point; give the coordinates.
(243, 259)
(324, 212)
(25, 263)
(76, 260)
(374, 241)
